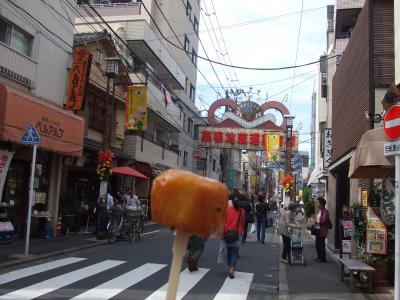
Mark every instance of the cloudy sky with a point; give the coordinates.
(264, 33)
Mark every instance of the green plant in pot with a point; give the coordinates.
(380, 263)
(359, 218)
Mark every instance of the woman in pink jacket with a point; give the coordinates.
(321, 224)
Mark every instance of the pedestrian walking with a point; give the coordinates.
(322, 224)
(234, 221)
(285, 221)
(261, 210)
(196, 248)
(245, 204)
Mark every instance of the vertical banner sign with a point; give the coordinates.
(5, 161)
(272, 147)
(327, 147)
(78, 78)
(136, 108)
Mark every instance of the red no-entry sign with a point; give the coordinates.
(391, 122)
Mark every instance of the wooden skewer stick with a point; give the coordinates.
(178, 251)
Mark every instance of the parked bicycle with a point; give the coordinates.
(125, 222)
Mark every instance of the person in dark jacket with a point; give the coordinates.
(245, 203)
(196, 248)
(261, 210)
(321, 224)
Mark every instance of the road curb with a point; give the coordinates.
(48, 255)
(59, 252)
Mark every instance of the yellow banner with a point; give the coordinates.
(136, 108)
(272, 147)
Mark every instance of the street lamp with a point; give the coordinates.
(288, 155)
(111, 73)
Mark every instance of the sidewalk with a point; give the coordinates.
(13, 254)
(320, 281)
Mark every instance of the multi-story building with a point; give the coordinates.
(338, 34)
(149, 28)
(36, 39)
(354, 93)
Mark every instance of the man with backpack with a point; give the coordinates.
(244, 203)
(261, 210)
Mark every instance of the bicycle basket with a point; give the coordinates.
(132, 211)
(117, 210)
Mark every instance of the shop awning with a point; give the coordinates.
(316, 174)
(368, 161)
(60, 130)
(127, 171)
(151, 170)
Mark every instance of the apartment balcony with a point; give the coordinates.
(142, 40)
(17, 66)
(146, 148)
(345, 21)
(114, 9)
(346, 4)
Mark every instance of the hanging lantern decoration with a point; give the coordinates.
(104, 166)
(287, 184)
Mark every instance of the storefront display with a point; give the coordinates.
(376, 237)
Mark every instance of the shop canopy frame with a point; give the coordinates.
(127, 171)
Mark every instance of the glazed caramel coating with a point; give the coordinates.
(188, 202)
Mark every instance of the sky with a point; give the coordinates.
(264, 33)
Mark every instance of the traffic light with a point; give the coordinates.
(391, 97)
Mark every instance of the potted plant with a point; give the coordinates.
(380, 263)
(359, 218)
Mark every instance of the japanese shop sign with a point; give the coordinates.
(241, 138)
(78, 78)
(327, 147)
(376, 234)
(5, 160)
(136, 108)
(273, 147)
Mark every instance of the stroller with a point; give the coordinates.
(296, 247)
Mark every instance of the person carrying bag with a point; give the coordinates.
(233, 229)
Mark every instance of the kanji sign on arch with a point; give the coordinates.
(237, 138)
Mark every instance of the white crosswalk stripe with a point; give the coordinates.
(47, 286)
(229, 289)
(186, 282)
(22, 273)
(235, 289)
(115, 286)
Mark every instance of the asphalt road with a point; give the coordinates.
(140, 271)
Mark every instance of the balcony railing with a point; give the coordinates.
(17, 66)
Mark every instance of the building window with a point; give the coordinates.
(186, 44)
(185, 158)
(184, 120)
(99, 57)
(196, 25)
(15, 38)
(214, 162)
(192, 92)
(188, 9)
(194, 57)
(186, 84)
(96, 113)
(190, 125)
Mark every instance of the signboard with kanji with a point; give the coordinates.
(78, 78)
(136, 108)
(240, 138)
(376, 237)
(327, 147)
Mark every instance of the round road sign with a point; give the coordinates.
(392, 122)
(198, 154)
